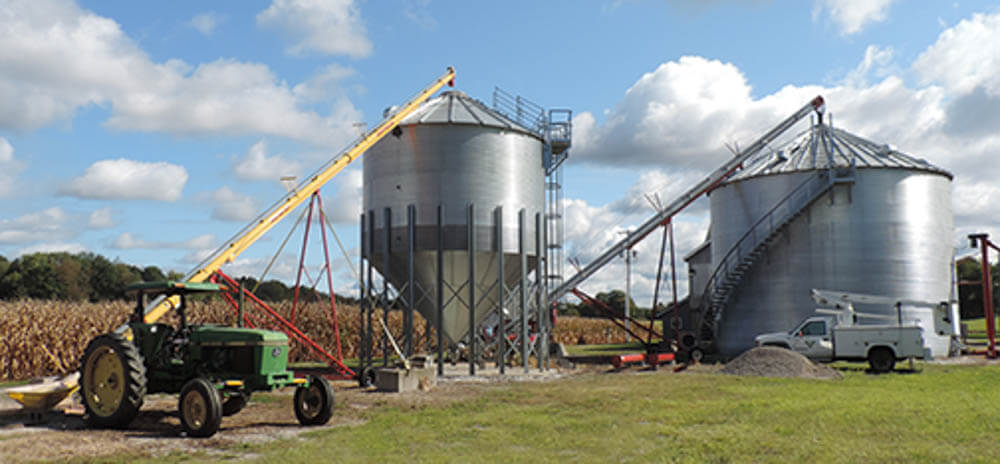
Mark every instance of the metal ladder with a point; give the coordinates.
(555, 128)
(752, 246)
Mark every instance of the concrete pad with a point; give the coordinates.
(397, 379)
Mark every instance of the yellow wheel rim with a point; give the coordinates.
(195, 409)
(105, 381)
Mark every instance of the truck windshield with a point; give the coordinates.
(807, 327)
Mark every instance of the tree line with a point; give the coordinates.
(92, 277)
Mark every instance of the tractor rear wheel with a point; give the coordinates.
(112, 381)
(200, 407)
(314, 404)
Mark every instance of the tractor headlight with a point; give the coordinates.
(276, 352)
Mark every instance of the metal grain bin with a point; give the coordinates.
(454, 151)
(882, 226)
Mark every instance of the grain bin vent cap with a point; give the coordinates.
(822, 147)
(454, 107)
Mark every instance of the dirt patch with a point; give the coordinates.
(769, 361)
(157, 431)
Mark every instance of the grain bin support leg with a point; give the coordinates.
(440, 289)
(501, 335)
(386, 249)
(470, 223)
(524, 284)
(363, 293)
(411, 236)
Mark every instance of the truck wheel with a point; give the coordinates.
(112, 381)
(881, 359)
(314, 404)
(235, 403)
(200, 408)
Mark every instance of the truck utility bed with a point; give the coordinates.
(854, 342)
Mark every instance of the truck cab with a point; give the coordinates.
(811, 338)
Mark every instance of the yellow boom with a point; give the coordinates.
(256, 229)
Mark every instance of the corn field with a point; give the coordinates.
(40, 337)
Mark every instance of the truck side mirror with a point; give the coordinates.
(799, 334)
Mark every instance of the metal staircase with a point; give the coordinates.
(753, 245)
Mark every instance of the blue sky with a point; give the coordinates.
(152, 131)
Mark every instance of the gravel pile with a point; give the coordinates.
(769, 361)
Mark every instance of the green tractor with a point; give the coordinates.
(213, 368)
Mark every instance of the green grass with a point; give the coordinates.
(943, 414)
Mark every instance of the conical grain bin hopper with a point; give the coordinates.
(454, 152)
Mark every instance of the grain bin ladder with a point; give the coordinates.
(263, 223)
(663, 216)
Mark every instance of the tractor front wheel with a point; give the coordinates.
(314, 404)
(200, 408)
(112, 381)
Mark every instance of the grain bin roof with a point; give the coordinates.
(454, 107)
(822, 146)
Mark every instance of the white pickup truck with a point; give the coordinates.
(821, 338)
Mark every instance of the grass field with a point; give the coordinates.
(942, 414)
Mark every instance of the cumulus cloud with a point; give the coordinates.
(205, 22)
(965, 57)
(851, 16)
(101, 219)
(697, 105)
(233, 206)
(332, 27)
(257, 165)
(53, 247)
(345, 206)
(124, 179)
(10, 168)
(56, 58)
(127, 241)
(52, 224)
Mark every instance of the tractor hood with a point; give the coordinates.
(212, 335)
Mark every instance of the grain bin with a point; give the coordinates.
(454, 151)
(832, 211)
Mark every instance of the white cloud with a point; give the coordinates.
(965, 57)
(56, 58)
(877, 62)
(101, 219)
(682, 114)
(124, 179)
(851, 16)
(52, 224)
(206, 22)
(346, 204)
(127, 241)
(256, 165)
(233, 206)
(10, 168)
(674, 120)
(53, 247)
(330, 27)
